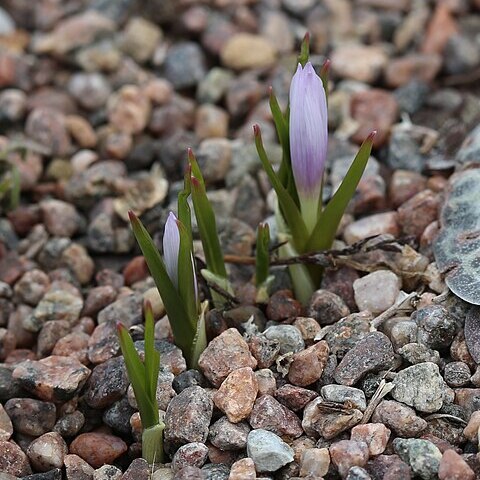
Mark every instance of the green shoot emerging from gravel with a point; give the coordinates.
(144, 377)
(303, 222)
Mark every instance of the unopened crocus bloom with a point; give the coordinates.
(308, 138)
(171, 247)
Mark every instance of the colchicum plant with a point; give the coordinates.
(144, 378)
(304, 224)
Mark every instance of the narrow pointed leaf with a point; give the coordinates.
(200, 341)
(207, 227)
(184, 213)
(152, 357)
(324, 73)
(136, 374)
(280, 123)
(325, 230)
(186, 275)
(289, 208)
(262, 254)
(183, 331)
(304, 50)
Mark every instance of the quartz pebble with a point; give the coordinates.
(13, 460)
(377, 291)
(31, 417)
(244, 51)
(237, 394)
(348, 453)
(370, 226)
(375, 435)
(47, 452)
(315, 462)
(98, 448)
(326, 307)
(76, 468)
(342, 394)
(268, 451)
(52, 378)
(420, 386)
(223, 355)
(243, 469)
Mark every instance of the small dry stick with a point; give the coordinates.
(383, 389)
(402, 306)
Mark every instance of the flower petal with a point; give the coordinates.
(171, 246)
(308, 130)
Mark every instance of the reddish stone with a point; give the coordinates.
(135, 270)
(454, 467)
(98, 448)
(373, 110)
(237, 394)
(418, 212)
(441, 27)
(307, 366)
(420, 66)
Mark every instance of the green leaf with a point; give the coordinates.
(324, 73)
(136, 374)
(186, 275)
(289, 209)
(183, 330)
(304, 50)
(280, 124)
(152, 357)
(183, 208)
(325, 230)
(200, 341)
(262, 254)
(207, 227)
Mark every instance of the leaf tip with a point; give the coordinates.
(372, 135)
(256, 130)
(306, 38)
(132, 216)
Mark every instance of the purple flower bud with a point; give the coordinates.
(308, 131)
(171, 247)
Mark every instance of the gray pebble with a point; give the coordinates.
(268, 451)
(421, 386)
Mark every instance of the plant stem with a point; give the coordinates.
(152, 444)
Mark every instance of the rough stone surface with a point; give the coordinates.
(307, 365)
(98, 448)
(377, 291)
(226, 435)
(399, 418)
(423, 456)
(223, 355)
(371, 354)
(346, 454)
(237, 394)
(187, 418)
(267, 450)
(53, 378)
(420, 386)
